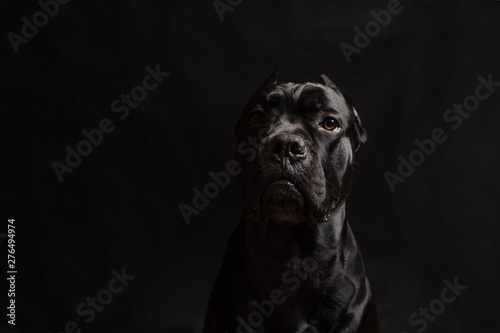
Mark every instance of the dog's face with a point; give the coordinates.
(296, 145)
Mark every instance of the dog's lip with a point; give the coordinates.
(281, 181)
(286, 182)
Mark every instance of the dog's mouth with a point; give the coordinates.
(283, 185)
(283, 200)
(287, 195)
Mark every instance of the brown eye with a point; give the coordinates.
(256, 118)
(330, 124)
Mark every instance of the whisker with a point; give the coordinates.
(335, 195)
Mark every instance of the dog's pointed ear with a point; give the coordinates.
(327, 82)
(273, 79)
(359, 129)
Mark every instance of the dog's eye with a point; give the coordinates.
(256, 117)
(330, 124)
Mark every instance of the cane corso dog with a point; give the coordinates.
(292, 264)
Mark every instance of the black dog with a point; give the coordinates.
(292, 264)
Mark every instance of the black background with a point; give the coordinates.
(119, 207)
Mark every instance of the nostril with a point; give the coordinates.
(276, 147)
(286, 145)
(297, 148)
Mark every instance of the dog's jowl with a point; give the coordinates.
(292, 264)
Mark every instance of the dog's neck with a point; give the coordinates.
(271, 246)
(305, 261)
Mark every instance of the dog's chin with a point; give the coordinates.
(283, 203)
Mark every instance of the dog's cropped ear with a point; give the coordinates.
(273, 79)
(359, 128)
(327, 82)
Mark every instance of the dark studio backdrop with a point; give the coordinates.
(116, 213)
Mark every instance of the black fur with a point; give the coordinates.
(293, 239)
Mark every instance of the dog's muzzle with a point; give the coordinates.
(284, 161)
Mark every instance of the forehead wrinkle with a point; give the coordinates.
(284, 95)
(297, 90)
(313, 98)
(291, 95)
(281, 91)
(310, 90)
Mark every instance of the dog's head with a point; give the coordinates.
(296, 145)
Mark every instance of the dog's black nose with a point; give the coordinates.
(285, 145)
